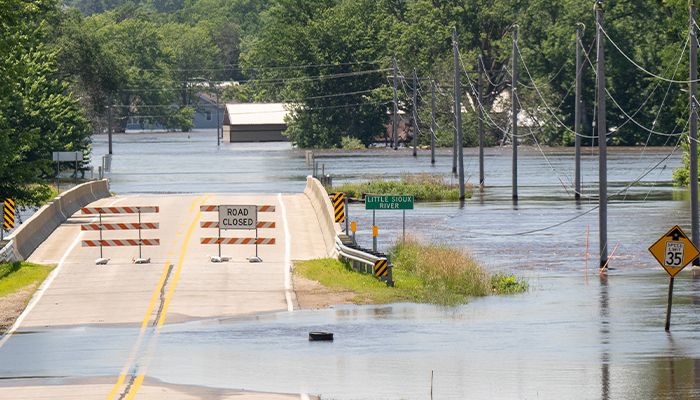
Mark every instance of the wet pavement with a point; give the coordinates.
(573, 335)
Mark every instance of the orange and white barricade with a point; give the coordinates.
(120, 226)
(238, 217)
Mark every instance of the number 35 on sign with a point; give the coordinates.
(674, 251)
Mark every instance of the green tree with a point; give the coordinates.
(342, 91)
(37, 113)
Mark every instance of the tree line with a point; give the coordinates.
(66, 67)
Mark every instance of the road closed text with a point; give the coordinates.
(238, 217)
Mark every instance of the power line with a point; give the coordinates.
(273, 81)
(640, 67)
(272, 111)
(271, 67)
(631, 118)
(558, 224)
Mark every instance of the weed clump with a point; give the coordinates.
(424, 187)
(450, 275)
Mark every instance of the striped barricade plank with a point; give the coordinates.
(119, 226)
(213, 240)
(209, 208)
(119, 210)
(260, 225)
(121, 242)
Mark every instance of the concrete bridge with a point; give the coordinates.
(180, 283)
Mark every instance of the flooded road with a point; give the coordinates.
(573, 335)
(568, 338)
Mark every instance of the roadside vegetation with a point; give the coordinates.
(423, 273)
(19, 275)
(424, 187)
(681, 175)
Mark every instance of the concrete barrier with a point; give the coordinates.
(324, 213)
(36, 229)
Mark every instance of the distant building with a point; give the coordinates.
(255, 122)
(205, 112)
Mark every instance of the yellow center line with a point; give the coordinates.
(154, 296)
(178, 270)
(117, 385)
(147, 317)
(135, 387)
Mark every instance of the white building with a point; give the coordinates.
(255, 122)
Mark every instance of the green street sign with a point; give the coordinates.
(373, 202)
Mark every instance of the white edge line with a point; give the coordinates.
(287, 256)
(44, 286)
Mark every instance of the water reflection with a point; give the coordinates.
(604, 305)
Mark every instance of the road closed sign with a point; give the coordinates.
(238, 217)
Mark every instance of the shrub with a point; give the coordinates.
(351, 143)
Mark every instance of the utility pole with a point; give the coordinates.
(109, 125)
(218, 122)
(480, 122)
(458, 114)
(394, 125)
(602, 139)
(695, 218)
(514, 111)
(415, 113)
(454, 139)
(577, 117)
(433, 124)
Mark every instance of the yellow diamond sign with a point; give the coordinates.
(674, 251)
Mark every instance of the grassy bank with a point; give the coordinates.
(19, 275)
(424, 187)
(423, 273)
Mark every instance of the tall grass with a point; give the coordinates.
(423, 273)
(450, 275)
(424, 187)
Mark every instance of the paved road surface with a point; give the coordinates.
(180, 284)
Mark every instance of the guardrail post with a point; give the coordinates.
(390, 278)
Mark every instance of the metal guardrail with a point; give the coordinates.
(7, 253)
(363, 260)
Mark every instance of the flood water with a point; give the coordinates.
(573, 335)
(489, 224)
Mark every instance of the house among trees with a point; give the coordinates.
(255, 122)
(205, 115)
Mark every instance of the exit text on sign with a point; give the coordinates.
(238, 217)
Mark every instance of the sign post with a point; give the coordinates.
(66, 156)
(673, 251)
(389, 202)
